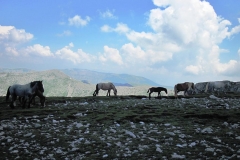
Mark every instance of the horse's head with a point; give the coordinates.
(115, 92)
(166, 91)
(193, 86)
(40, 85)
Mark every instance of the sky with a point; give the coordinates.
(166, 41)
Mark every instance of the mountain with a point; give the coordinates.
(17, 70)
(118, 79)
(56, 83)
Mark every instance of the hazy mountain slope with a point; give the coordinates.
(96, 77)
(16, 70)
(56, 83)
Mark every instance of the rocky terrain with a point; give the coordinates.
(123, 127)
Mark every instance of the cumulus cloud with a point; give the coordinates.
(10, 38)
(76, 57)
(78, 21)
(111, 55)
(185, 25)
(9, 34)
(39, 50)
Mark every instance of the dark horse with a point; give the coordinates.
(24, 92)
(39, 93)
(156, 89)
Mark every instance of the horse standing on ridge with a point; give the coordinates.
(105, 86)
(24, 92)
(156, 89)
(183, 87)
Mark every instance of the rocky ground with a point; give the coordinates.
(123, 127)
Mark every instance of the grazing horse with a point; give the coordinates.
(26, 91)
(156, 89)
(105, 86)
(183, 87)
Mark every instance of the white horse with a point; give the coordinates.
(105, 86)
(26, 91)
(183, 87)
(220, 86)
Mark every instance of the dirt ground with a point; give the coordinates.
(123, 127)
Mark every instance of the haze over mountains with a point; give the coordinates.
(94, 77)
(73, 82)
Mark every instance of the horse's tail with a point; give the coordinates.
(97, 89)
(8, 93)
(148, 90)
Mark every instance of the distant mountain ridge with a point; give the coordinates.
(94, 77)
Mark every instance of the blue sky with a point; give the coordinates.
(166, 41)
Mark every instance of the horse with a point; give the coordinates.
(105, 86)
(26, 91)
(186, 86)
(156, 89)
(218, 86)
(38, 93)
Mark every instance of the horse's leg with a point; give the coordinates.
(33, 99)
(23, 101)
(94, 93)
(159, 93)
(150, 95)
(13, 100)
(108, 92)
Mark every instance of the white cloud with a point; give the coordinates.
(234, 30)
(65, 33)
(108, 14)
(11, 38)
(78, 21)
(11, 51)
(111, 55)
(189, 23)
(9, 34)
(120, 28)
(193, 69)
(106, 28)
(76, 57)
(39, 50)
